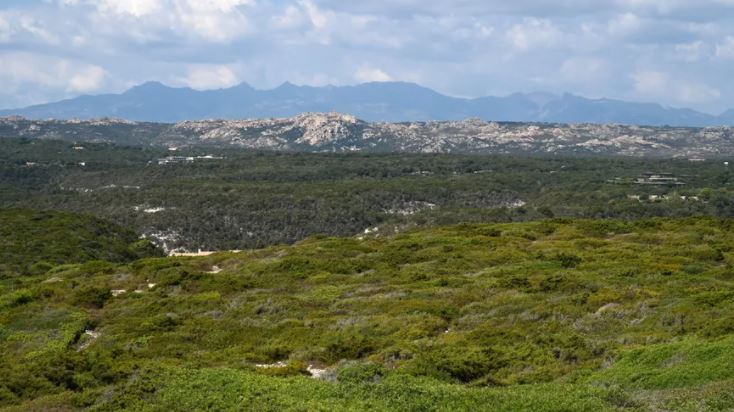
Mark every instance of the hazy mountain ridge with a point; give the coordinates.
(388, 102)
(335, 132)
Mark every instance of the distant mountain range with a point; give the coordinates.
(376, 102)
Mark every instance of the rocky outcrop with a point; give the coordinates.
(335, 132)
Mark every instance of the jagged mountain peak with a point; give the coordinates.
(153, 85)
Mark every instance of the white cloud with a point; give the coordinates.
(584, 71)
(214, 26)
(37, 30)
(79, 40)
(319, 18)
(5, 30)
(205, 77)
(24, 71)
(87, 79)
(212, 20)
(692, 51)
(371, 74)
(624, 24)
(136, 8)
(662, 86)
(725, 50)
(141, 8)
(696, 93)
(151, 20)
(649, 82)
(16, 26)
(291, 18)
(323, 23)
(224, 6)
(677, 8)
(533, 33)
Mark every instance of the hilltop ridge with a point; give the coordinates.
(337, 132)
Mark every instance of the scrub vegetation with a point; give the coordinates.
(251, 199)
(557, 314)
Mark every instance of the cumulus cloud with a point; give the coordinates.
(624, 24)
(532, 33)
(15, 26)
(29, 78)
(4, 29)
(154, 20)
(661, 85)
(650, 82)
(136, 8)
(725, 49)
(371, 74)
(584, 71)
(86, 79)
(216, 26)
(205, 77)
(19, 69)
(540, 8)
(140, 8)
(290, 18)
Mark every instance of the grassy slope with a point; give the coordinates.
(563, 315)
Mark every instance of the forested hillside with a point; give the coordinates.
(235, 199)
(32, 242)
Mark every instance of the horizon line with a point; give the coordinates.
(404, 82)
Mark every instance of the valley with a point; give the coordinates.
(230, 198)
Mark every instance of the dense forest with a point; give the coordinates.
(214, 199)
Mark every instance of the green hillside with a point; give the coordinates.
(552, 315)
(32, 242)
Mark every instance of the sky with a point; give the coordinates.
(679, 53)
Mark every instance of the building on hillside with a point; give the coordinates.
(660, 179)
(175, 159)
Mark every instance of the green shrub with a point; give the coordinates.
(694, 268)
(39, 268)
(92, 297)
(166, 322)
(144, 248)
(16, 298)
(461, 365)
(347, 346)
(292, 368)
(360, 372)
(719, 327)
(568, 260)
(96, 267)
